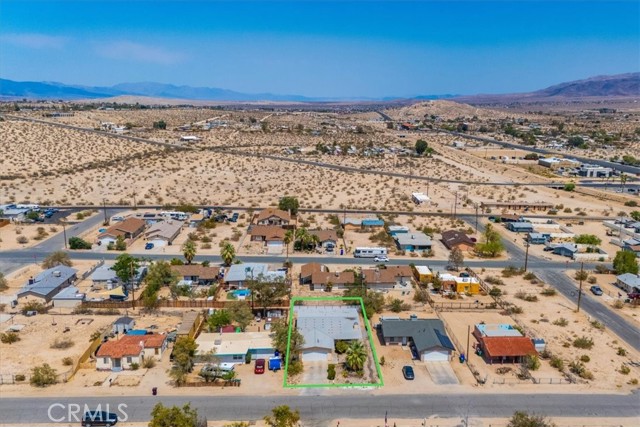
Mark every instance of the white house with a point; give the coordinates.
(233, 347)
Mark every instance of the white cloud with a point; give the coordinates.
(34, 40)
(126, 50)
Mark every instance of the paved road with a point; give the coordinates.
(624, 168)
(357, 404)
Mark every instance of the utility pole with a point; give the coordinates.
(580, 290)
(526, 256)
(64, 231)
(104, 206)
(475, 205)
(468, 334)
(133, 292)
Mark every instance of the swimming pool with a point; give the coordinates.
(243, 293)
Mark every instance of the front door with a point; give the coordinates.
(117, 363)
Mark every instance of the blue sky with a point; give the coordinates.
(315, 48)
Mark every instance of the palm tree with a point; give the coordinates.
(302, 236)
(288, 238)
(228, 253)
(356, 356)
(623, 180)
(314, 239)
(189, 250)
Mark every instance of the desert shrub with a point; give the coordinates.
(583, 342)
(621, 351)
(624, 369)
(511, 271)
(382, 361)
(331, 372)
(9, 337)
(514, 309)
(295, 368)
(597, 325)
(495, 292)
(493, 280)
(529, 276)
(149, 363)
(618, 304)
(580, 370)
(20, 377)
(78, 243)
(549, 292)
(557, 363)
(67, 361)
(22, 240)
(62, 343)
(134, 366)
(592, 280)
(34, 306)
(585, 358)
(42, 376)
(532, 362)
(561, 322)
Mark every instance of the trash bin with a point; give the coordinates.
(341, 251)
(462, 358)
(154, 391)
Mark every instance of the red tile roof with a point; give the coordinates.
(508, 346)
(270, 212)
(203, 273)
(129, 345)
(308, 269)
(269, 232)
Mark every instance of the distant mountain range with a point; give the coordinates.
(622, 85)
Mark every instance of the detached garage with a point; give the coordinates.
(428, 336)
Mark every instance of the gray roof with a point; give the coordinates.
(425, 333)
(104, 273)
(415, 239)
(521, 224)
(321, 326)
(124, 320)
(70, 293)
(629, 279)
(251, 270)
(49, 281)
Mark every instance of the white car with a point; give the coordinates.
(381, 258)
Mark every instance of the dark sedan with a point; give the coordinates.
(407, 372)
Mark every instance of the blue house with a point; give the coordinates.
(397, 229)
(372, 222)
(520, 227)
(566, 249)
(538, 238)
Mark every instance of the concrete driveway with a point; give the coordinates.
(442, 373)
(315, 373)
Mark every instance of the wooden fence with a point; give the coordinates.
(165, 303)
(228, 383)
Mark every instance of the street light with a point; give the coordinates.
(64, 231)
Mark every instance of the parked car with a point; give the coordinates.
(451, 267)
(381, 258)
(596, 290)
(234, 217)
(99, 418)
(259, 368)
(148, 246)
(407, 372)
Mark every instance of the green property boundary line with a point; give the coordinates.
(285, 384)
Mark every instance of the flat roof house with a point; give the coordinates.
(566, 249)
(123, 324)
(322, 326)
(413, 242)
(233, 347)
(164, 232)
(427, 335)
(129, 230)
(538, 238)
(272, 216)
(460, 285)
(423, 274)
(48, 283)
(628, 282)
(69, 297)
(457, 239)
(397, 229)
(105, 276)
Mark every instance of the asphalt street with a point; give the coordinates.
(356, 404)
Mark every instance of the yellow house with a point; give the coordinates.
(423, 274)
(469, 285)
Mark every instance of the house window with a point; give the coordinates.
(105, 360)
(238, 357)
(129, 360)
(157, 351)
